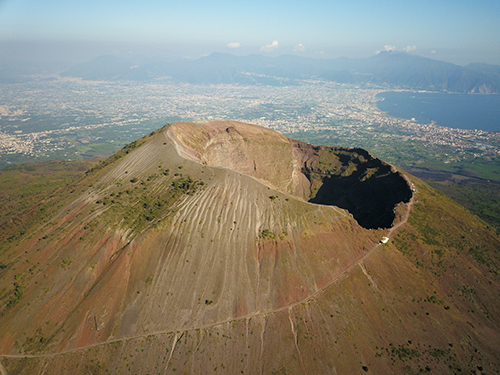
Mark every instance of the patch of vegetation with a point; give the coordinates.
(186, 185)
(267, 234)
(17, 294)
(417, 355)
(435, 300)
(429, 234)
(480, 197)
(404, 242)
(24, 188)
(65, 263)
(438, 353)
(465, 290)
(35, 342)
(440, 226)
(137, 207)
(403, 352)
(351, 168)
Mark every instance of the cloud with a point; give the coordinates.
(320, 52)
(234, 45)
(410, 48)
(433, 51)
(299, 48)
(270, 47)
(389, 48)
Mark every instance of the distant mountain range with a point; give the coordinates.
(394, 69)
(386, 68)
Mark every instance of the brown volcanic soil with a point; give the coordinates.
(164, 260)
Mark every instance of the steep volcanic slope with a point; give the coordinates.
(161, 261)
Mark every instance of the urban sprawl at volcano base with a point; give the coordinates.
(61, 117)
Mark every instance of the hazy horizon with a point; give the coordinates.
(459, 32)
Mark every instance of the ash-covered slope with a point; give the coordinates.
(194, 249)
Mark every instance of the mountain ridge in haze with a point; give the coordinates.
(397, 69)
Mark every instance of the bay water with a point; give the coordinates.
(461, 111)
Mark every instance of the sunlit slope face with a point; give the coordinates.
(154, 242)
(249, 149)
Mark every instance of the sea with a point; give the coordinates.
(460, 111)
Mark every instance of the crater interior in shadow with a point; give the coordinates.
(352, 179)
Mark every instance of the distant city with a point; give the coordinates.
(69, 118)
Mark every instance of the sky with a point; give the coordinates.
(456, 31)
